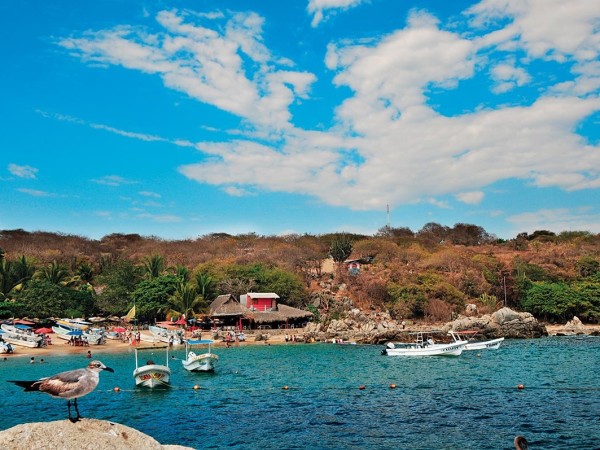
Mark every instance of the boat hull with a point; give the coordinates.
(152, 376)
(454, 349)
(484, 345)
(201, 363)
(17, 337)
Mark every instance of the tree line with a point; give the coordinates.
(432, 273)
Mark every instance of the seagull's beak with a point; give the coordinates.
(108, 368)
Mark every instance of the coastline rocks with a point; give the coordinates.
(502, 323)
(379, 327)
(575, 325)
(86, 434)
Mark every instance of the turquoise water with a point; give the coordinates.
(467, 402)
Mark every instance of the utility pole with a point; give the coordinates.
(387, 223)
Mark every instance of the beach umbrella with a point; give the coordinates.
(75, 333)
(43, 331)
(119, 329)
(181, 321)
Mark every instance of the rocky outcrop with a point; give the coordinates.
(86, 434)
(503, 323)
(379, 327)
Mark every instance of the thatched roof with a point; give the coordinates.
(283, 313)
(226, 305)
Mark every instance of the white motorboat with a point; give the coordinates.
(5, 347)
(204, 362)
(21, 335)
(423, 347)
(150, 374)
(167, 335)
(470, 344)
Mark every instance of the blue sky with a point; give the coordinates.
(182, 118)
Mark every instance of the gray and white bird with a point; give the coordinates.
(71, 384)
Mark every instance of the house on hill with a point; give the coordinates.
(256, 310)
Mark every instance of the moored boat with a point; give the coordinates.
(169, 336)
(423, 347)
(66, 331)
(150, 374)
(204, 362)
(471, 344)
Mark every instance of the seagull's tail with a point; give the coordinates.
(28, 385)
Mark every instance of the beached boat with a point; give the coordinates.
(150, 374)
(21, 335)
(471, 344)
(204, 362)
(65, 330)
(423, 347)
(168, 336)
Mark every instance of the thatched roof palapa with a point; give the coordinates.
(226, 305)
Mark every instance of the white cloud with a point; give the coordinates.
(507, 77)
(236, 191)
(160, 218)
(113, 180)
(557, 220)
(149, 194)
(22, 171)
(225, 66)
(35, 192)
(470, 198)
(320, 8)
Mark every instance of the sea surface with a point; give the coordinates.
(466, 402)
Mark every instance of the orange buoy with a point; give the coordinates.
(362, 387)
(520, 386)
(196, 387)
(285, 388)
(117, 389)
(392, 386)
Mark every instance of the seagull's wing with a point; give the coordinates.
(64, 384)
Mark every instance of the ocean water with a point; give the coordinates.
(466, 402)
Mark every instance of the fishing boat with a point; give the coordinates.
(21, 335)
(423, 345)
(204, 362)
(150, 374)
(472, 344)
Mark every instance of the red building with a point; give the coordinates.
(260, 301)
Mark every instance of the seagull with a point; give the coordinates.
(71, 384)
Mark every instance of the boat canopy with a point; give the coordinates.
(200, 341)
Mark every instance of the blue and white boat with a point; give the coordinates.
(204, 362)
(22, 335)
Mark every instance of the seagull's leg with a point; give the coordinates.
(69, 409)
(76, 409)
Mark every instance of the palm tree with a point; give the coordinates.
(54, 273)
(205, 285)
(154, 266)
(185, 300)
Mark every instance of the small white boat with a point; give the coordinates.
(5, 347)
(204, 362)
(423, 347)
(65, 330)
(167, 335)
(21, 335)
(150, 374)
(470, 344)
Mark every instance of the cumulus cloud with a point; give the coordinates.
(149, 194)
(321, 8)
(227, 66)
(388, 144)
(22, 171)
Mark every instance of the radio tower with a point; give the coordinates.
(387, 223)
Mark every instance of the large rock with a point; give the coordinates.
(503, 323)
(86, 434)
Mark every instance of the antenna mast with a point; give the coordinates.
(387, 224)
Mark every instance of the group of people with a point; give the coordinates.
(78, 341)
(292, 338)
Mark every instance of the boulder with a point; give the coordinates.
(86, 434)
(575, 325)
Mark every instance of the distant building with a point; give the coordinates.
(354, 265)
(256, 310)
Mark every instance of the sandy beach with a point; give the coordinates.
(61, 347)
